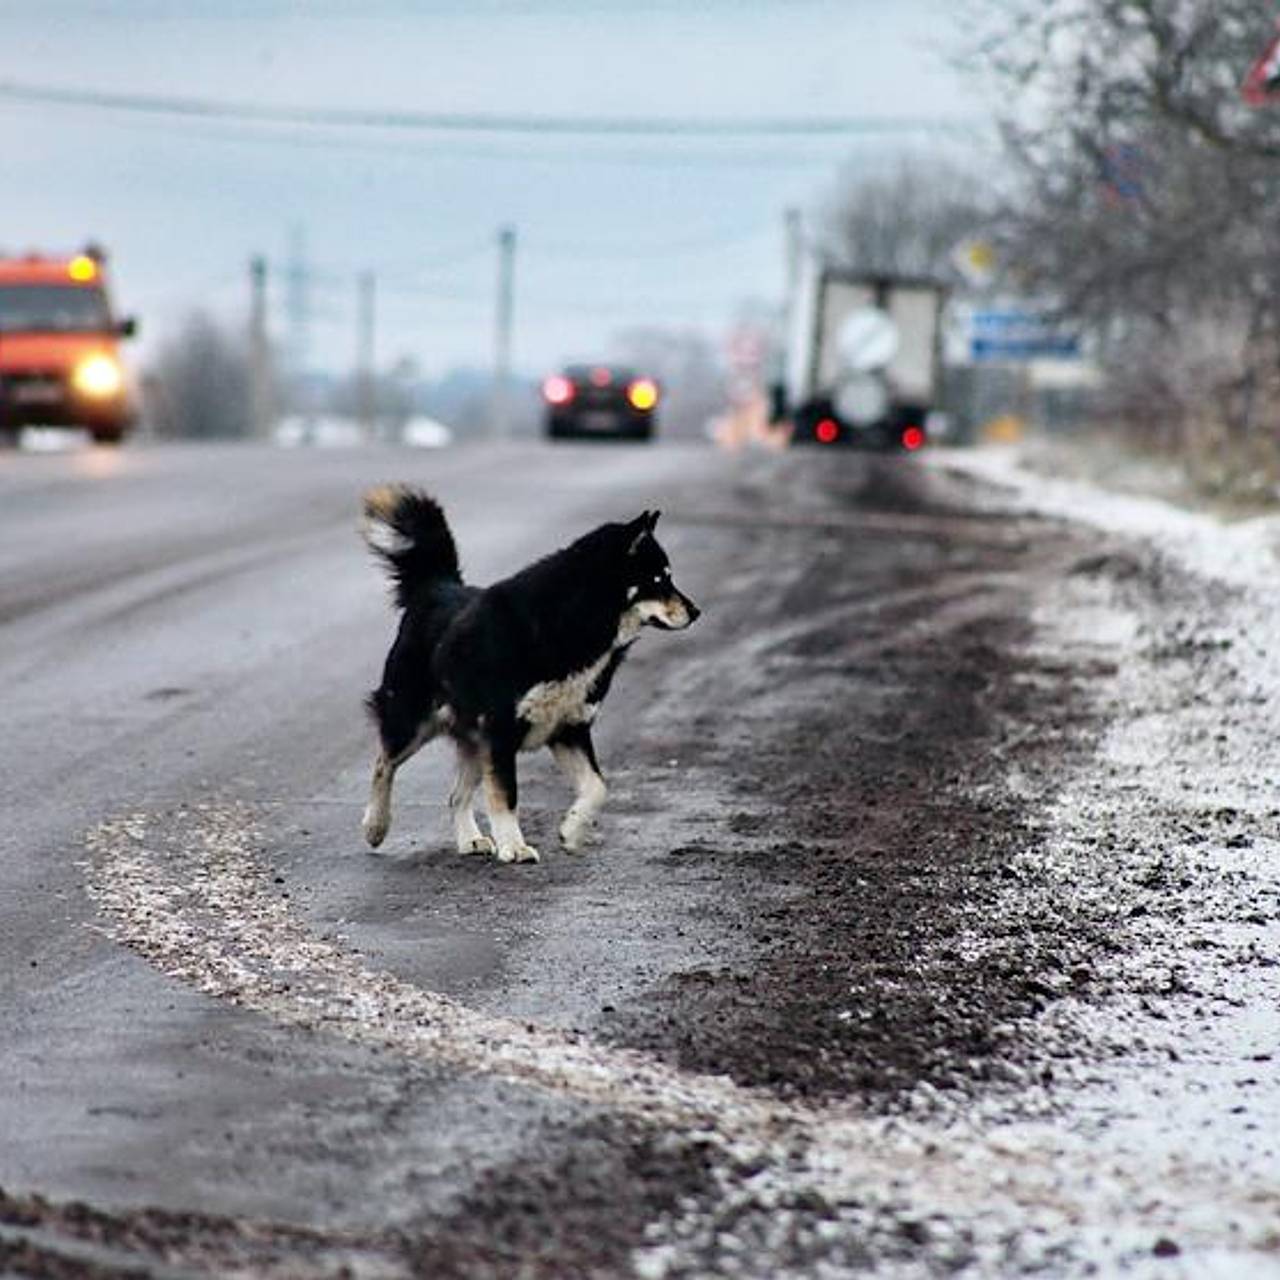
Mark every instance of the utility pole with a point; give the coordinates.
(260, 408)
(297, 305)
(504, 318)
(366, 303)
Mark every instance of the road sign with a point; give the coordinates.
(1013, 334)
(976, 261)
(747, 347)
(867, 339)
(1262, 85)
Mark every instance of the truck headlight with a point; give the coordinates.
(99, 377)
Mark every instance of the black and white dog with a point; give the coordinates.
(522, 664)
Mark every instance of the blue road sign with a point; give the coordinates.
(1013, 333)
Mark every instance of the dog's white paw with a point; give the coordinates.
(477, 844)
(374, 825)
(573, 832)
(517, 853)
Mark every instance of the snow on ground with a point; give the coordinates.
(1245, 553)
(1177, 1091)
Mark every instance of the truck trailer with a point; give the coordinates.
(863, 362)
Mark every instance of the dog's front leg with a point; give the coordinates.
(501, 797)
(576, 757)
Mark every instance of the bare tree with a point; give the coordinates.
(199, 384)
(907, 221)
(1147, 198)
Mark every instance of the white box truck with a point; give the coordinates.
(863, 364)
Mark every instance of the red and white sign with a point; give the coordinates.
(746, 348)
(1262, 85)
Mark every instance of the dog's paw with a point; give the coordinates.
(517, 853)
(573, 833)
(477, 844)
(375, 826)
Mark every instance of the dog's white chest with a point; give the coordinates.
(553, 704)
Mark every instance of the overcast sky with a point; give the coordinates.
(612, 231)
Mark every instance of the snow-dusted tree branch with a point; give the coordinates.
(1148, 193)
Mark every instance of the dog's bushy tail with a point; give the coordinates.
(408, 531)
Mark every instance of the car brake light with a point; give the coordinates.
(912, 438)
(601, 377)
(642, 393)
(557, 390)
(827, 431)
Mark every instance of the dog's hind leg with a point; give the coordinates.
(377, 813)
(501, 796)
(576, 757)
(461, 802)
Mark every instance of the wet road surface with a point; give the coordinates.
(814, 911)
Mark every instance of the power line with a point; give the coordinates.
(458, 122)
(714, 155)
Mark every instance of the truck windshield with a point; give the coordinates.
(52, 308)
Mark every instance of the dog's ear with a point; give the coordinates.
(638, 530)
(652, 518)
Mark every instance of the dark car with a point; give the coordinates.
(600, 402)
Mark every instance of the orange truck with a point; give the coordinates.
(60, 347)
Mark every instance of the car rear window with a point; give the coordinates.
(582, 372)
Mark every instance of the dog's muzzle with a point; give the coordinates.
(676, 612)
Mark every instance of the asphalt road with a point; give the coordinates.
(188, 625)
(237, 1042)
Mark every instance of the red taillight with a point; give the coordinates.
(557, 390)
(601, 377)
(912, 438)
(642, 393)
(827, 431)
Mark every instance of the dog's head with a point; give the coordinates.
(651, 594)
